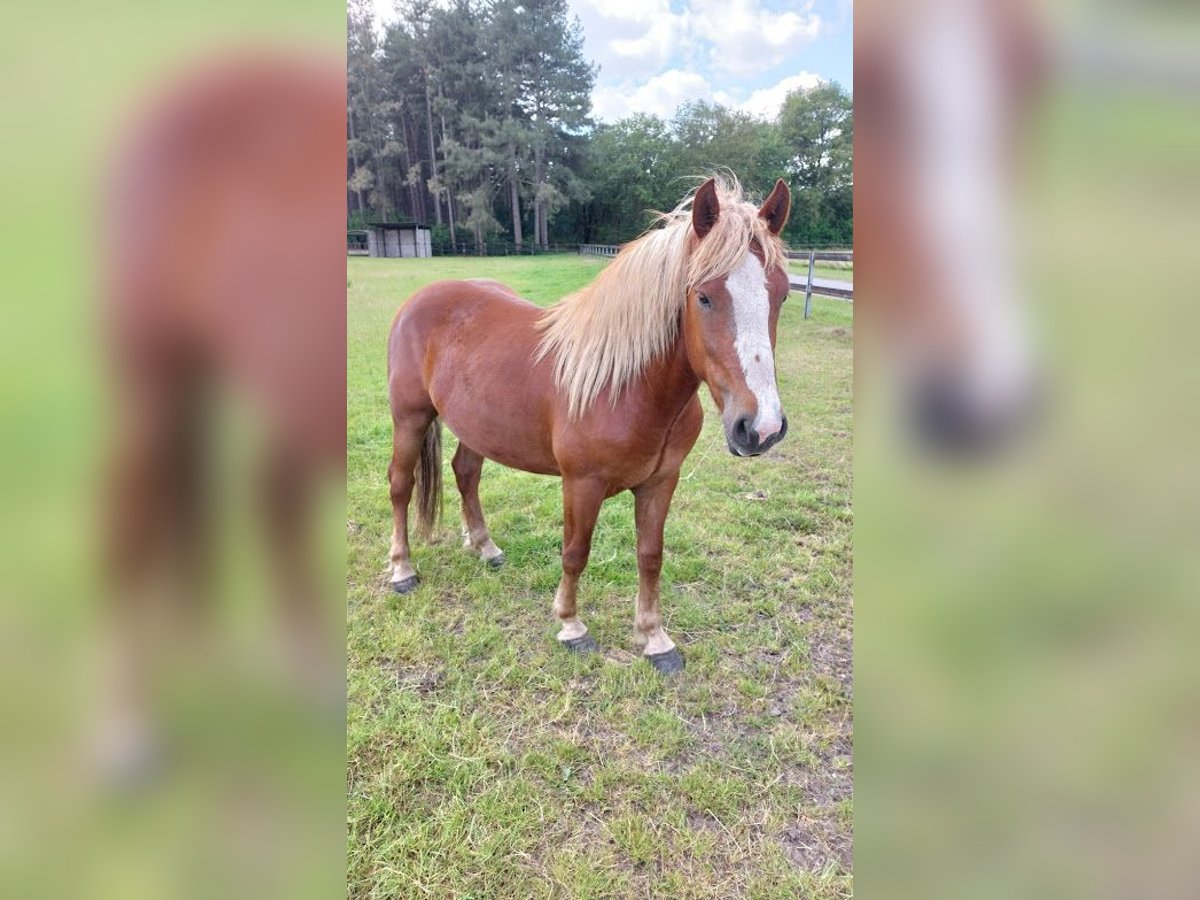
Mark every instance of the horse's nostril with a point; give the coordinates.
(949, 421)
(741, 431)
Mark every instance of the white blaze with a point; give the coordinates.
(960, 193)
(747, 286)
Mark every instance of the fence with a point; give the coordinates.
(826, 287)
(599, 249)
(356, 243)
(498, 248)
(823, 255)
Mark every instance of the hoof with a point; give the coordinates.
(585, 643)
(407, 586)
(667, 663)
(496, 561)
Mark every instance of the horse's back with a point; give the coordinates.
(469, 311)
(218, 243)
(455, 302)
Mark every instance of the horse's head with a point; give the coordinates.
(729, 326)
(939, 301)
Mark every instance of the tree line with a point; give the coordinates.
(472, 117)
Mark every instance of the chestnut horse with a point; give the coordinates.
(600, 389)
(224, 274)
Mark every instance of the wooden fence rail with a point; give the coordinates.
(823, 255)
(826, 287)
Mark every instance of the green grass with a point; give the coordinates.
(484, 761)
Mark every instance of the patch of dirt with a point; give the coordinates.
(717, 732)
(698, 821)
(837, 331)
(831, 785)
(423, 681)
(811, 845)
(832, 655)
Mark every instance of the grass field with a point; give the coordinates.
(837, 270)
(486, 762)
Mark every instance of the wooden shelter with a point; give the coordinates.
(398, 239)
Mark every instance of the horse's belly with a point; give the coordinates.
(496, 414)
(511, 448)
(478, 342)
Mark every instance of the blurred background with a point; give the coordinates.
(170, 659)
(1026, 443)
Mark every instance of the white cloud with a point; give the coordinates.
(747, 38)
(659, 96)
(657, 43)
(766, 102)
(636, 38)
(385, 11)
(630, 38)
(662, 95)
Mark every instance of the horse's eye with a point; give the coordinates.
(704, 301)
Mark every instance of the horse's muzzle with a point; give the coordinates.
(743, 440)
(950, 423)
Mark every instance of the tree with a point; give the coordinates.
(363, 106)
(545, 89)
(818, 127)
(631, 169)
(711, 136)
(472, 113)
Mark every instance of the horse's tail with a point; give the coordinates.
(429, 479)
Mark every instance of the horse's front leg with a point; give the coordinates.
(581, 505)
(652, 500)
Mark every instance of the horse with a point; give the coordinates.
(223, 268)
(600, 389)
(940, 305)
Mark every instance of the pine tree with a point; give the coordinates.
(545, 94)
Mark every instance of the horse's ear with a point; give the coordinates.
(776, 207)
(705, 208)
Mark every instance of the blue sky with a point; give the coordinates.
(657, 54)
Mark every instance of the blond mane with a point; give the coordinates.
(606, 333)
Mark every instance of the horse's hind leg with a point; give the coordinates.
(156, 551)
(287, 499)
(468, 465)
(408, 436)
